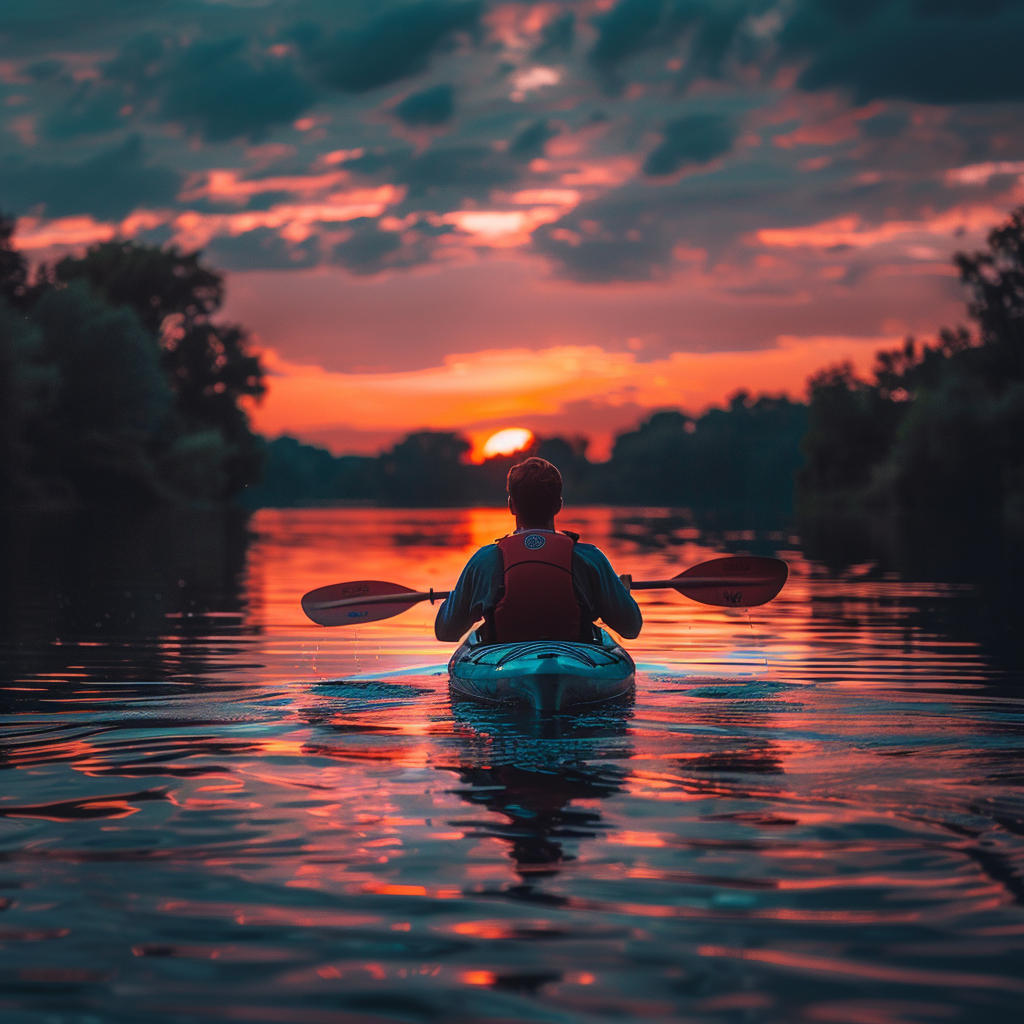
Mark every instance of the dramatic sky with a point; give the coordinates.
(558, 215)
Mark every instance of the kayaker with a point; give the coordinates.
(537, 583)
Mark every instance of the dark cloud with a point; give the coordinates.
(432, 106)
(221, 89)
(890, 124)
(694, 139)
(530, 142)
(137, 62)
(557, 36)
(217, 90)
(262, 249)
(457, 172)
(90, 111)
(629, 28)
(44, 70)
(43, 20)
(623, 237)
(929, 51)
(633, 27)
(369, 250)
(108, 185)
(393, 46)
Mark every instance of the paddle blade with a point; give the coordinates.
(363, 610)
(747, 580)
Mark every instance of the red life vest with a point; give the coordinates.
(537, 602)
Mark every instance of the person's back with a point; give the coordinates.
(537, 583)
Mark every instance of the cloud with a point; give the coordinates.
(137, 63)
(629, 234)
(694, 139)
(557, 36)
(393, 46)
(631, 27)
(369, 250)
(90, 111)
(457, 170)
(606, 255)
(213, 88)
(530, 142)
(108, 185)
(262, 249)
(432, 106)
(929, 51)
(44, 20)
(219, 88)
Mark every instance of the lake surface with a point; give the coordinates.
(213, 810)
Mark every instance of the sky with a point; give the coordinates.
(477, 214)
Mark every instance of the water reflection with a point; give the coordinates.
(121, 595)
(535, 772)
(217, 811)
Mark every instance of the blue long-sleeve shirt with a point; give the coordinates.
(599, 591)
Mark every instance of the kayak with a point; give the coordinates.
(547, 675)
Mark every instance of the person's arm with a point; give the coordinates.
(475, 592)
(612, 602)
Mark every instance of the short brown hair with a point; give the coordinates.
(535, 486)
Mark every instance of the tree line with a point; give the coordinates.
(116, 383)
(734, 460)
(936, 427)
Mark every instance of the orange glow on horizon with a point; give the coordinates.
(469, 390)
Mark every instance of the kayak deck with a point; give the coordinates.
(548, 675)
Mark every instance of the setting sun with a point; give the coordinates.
(507, 442)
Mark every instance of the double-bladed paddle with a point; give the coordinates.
(741, 581)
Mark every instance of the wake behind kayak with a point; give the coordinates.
(546, 675)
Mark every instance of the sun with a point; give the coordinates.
(507, 442)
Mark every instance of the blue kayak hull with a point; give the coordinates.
(546, 675)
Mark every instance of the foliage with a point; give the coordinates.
(111, 407)
(425, 469)
(208, 365)
(14, 283)
(303, 474)
(116, 383)
(938, 427)
(740, 457)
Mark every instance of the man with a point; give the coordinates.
(537, 583)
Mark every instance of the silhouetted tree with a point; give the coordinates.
(740, 457)
(209, 366)
(939, 426)
(303, 474)
(14, 286)
(426, 468)
(116, 384)
(156, 282)
(112, 409)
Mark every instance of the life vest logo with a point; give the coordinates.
(534, 541)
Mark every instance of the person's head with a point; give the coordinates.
(534, 492)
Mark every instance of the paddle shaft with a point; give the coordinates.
(414, 597)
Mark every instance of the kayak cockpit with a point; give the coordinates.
(547, 675)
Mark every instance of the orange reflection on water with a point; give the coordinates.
(817, 789)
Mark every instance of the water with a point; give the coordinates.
(211, 809)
